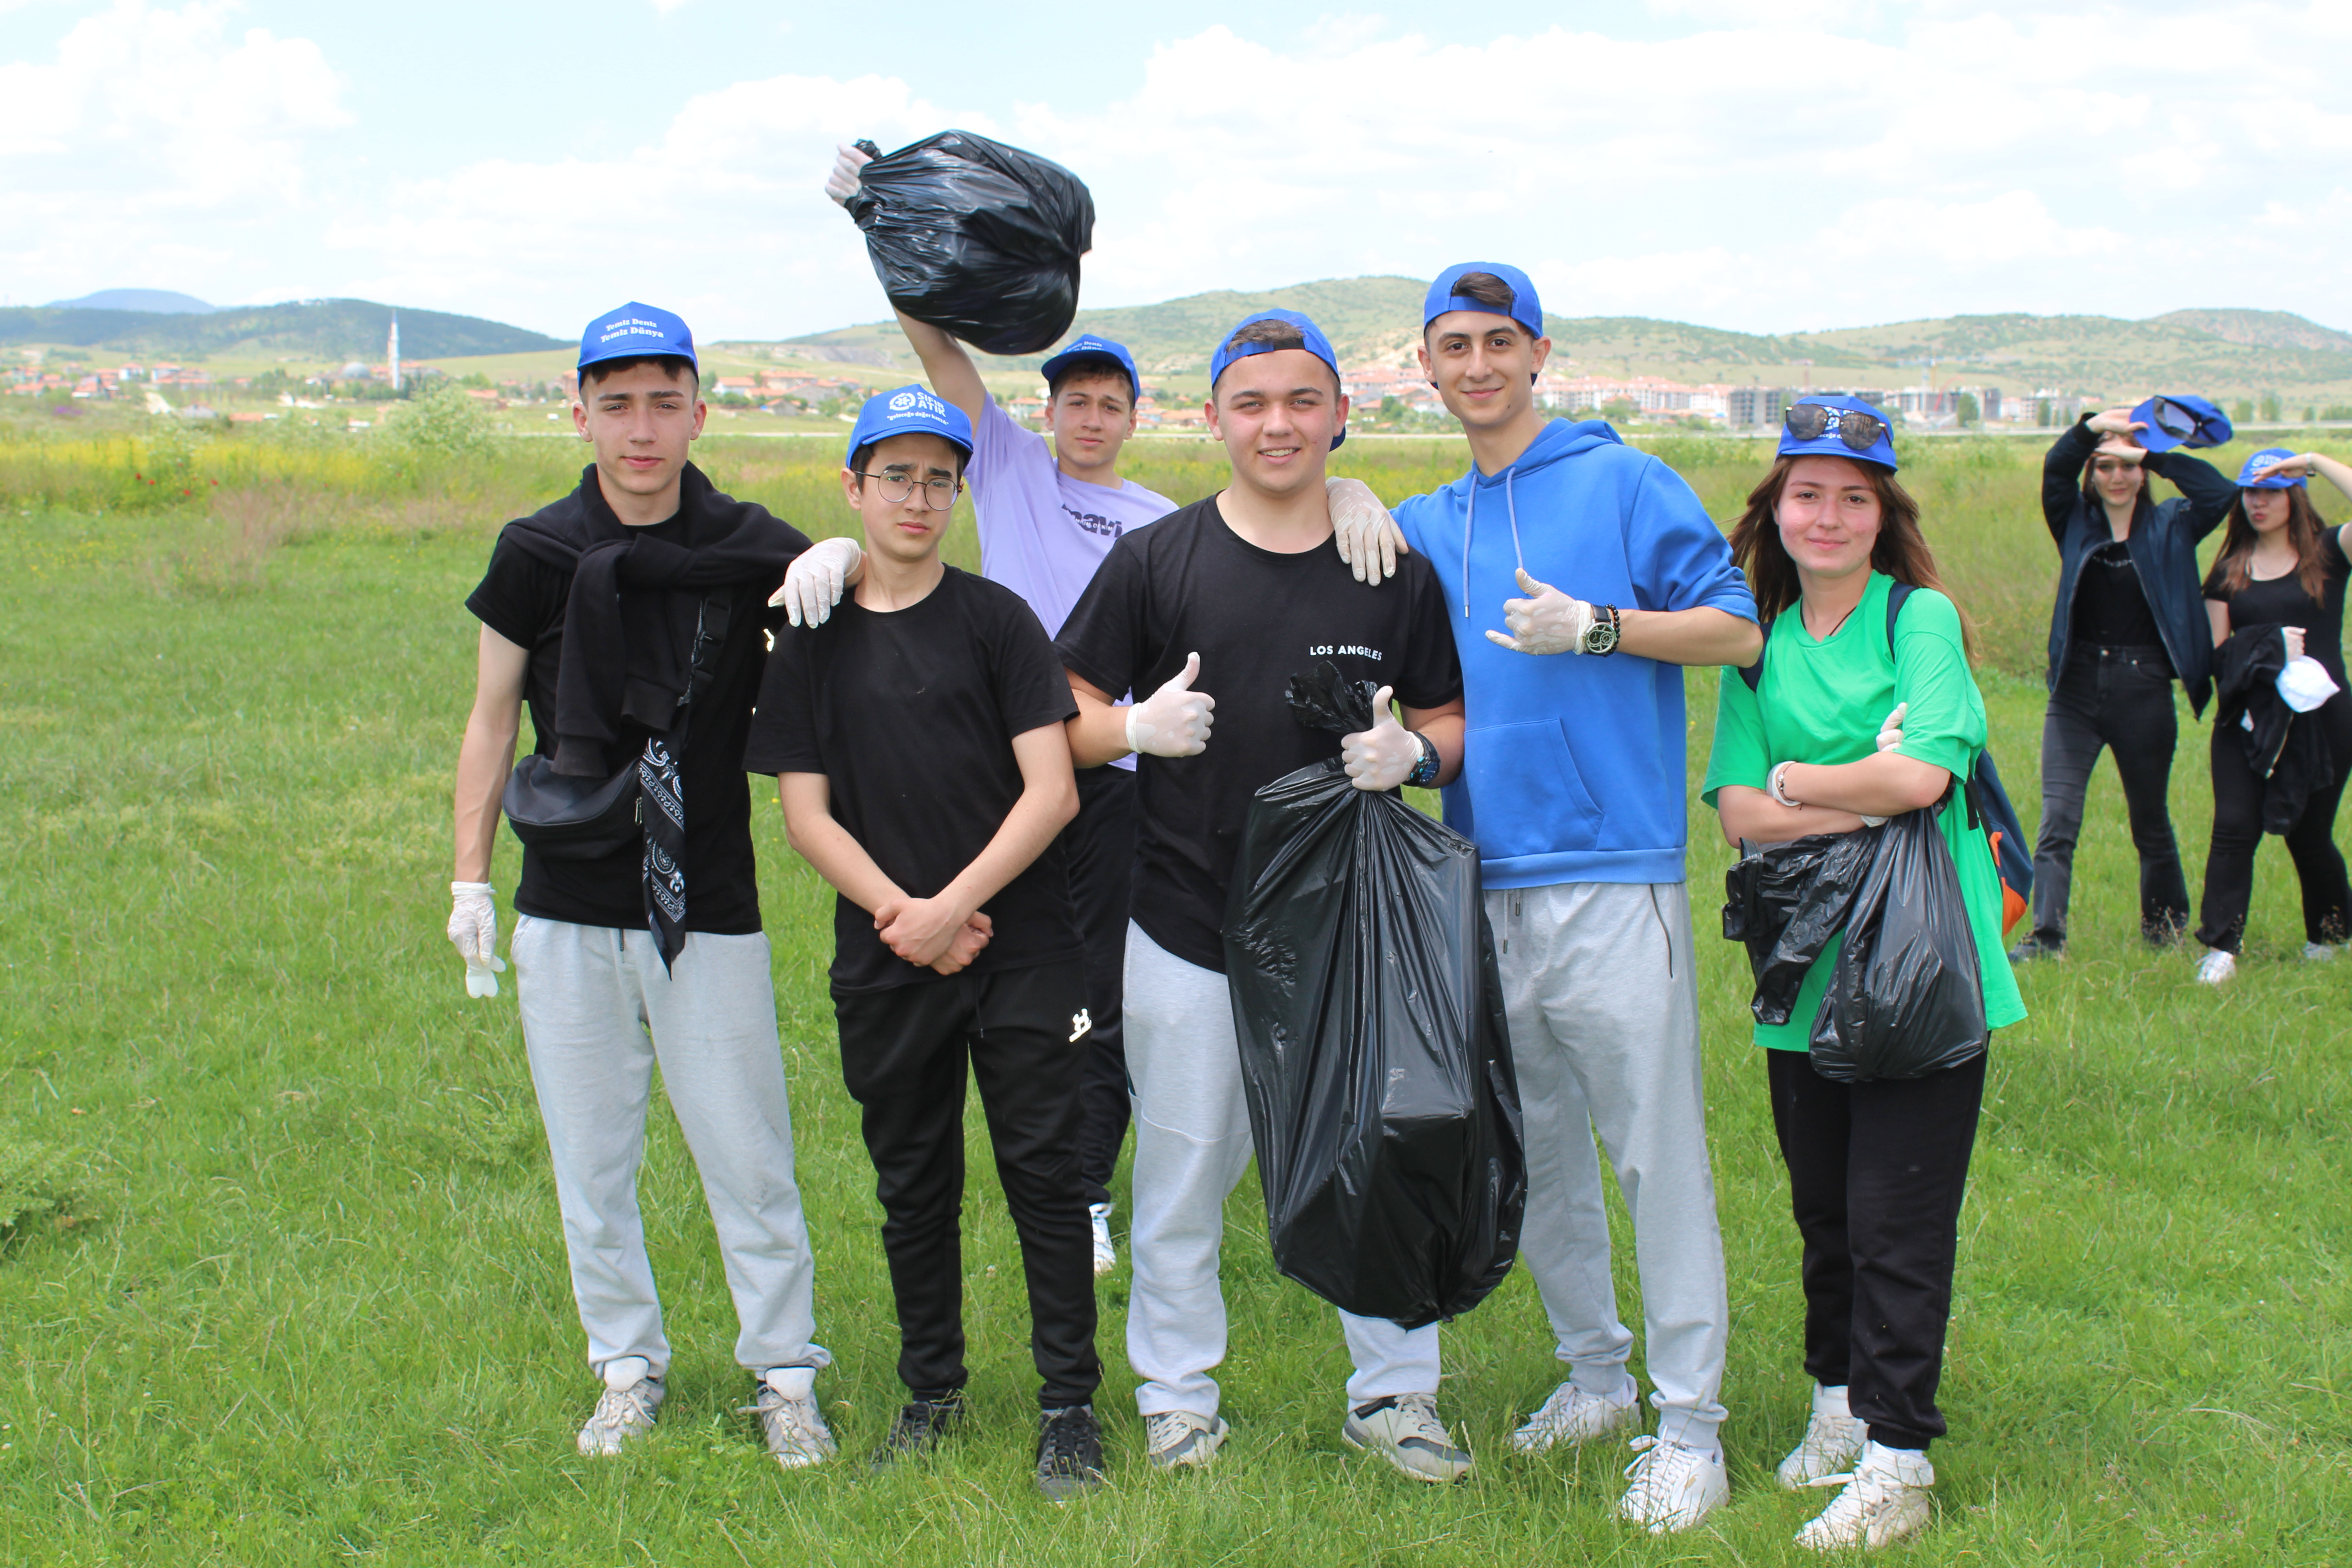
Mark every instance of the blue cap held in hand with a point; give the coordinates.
(2246, 480)
(910, 411)
(2176, 420)
(634, 331)
(1310, 338)
(1826, 424)
(1525, 308)
(1090, 349)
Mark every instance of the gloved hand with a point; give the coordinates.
(1890, 734)
(1174, 721)
(474, 930)
(817, 578)
(1548, 622)
(1369, 539)
(842, 183)
(1379, 758)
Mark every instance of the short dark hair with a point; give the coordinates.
(1488, 290)
(858, 459)
(1091, 370)
(1271, 333)
(592, 374)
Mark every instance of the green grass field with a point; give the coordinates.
(281, 1279)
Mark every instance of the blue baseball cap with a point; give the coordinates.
(1525, 308)
(910, 411)
(2193, 422)
(1829, 430)
(1311, 337)
(1099, 351)
(2246, 480)
(636, 330)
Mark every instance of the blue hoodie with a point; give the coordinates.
(1573, 765)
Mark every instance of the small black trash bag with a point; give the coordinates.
(1784, 902)
(1374, 1052)
(1906, 997)
(977, 238)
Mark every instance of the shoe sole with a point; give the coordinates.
(1196, 1456)
(1396, 1463)
(1521, 1443)
(1062, 1488)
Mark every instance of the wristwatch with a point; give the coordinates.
(1425, 771)
(1601, 637)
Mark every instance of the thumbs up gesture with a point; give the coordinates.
(1173, 721)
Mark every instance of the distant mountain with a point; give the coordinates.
(312, 329)
(155, 302)
(2263, 328)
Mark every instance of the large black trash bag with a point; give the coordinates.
(977, 238)
(1906, 997)
(1785, 902)
(1374, 1052)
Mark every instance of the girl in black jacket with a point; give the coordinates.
(2280, 569)
(2127, 624)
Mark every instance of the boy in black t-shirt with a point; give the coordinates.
(629, 615)
(1239, 593)
(925, 773)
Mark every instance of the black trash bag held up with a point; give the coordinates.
(1374, 1053)
(1906, 997)
(1784, 902)
(979, 239)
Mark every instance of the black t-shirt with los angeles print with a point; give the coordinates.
(1189, 583)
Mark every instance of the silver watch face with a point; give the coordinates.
(1601, 637)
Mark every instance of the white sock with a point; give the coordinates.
(792, 1382)
(624, 1371)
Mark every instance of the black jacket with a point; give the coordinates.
(2163, 546)
(2288, 750)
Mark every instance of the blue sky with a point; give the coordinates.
(1732, 165)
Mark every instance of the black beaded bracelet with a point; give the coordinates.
(1425, 771)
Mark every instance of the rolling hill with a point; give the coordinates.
(310, 328)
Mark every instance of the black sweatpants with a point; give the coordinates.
(2310, 843)
(1100, 845)
(902, 1055)
(1876, 1176)
(2119, 698)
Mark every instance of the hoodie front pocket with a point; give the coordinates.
(1525, 795)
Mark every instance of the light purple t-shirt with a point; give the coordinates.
(1042, 534)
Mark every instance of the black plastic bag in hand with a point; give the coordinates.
(1906, 997)
(1375, 1057)
(1785, 902)
(977, 238)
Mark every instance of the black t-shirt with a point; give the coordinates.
(2110, 606)
(2281, 600)
(910, 716)
(522, 599)
(1189, 583)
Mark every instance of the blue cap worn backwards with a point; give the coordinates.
(636, 330)
(2177, 419)
(1829, 425)
(1090, 349)
(2246, 480)
(910, 411)
(1525, 308)
(1311, 337)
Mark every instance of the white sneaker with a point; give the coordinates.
(1674, 1485)
(2216, 967)
(1403, 1429)
(1884, 1500)
(1573, 1415)
(789, 1422)
(2317, 953)
(1182, 1440)
(627, 1410)
(1834, 1441)
(1106, 1255)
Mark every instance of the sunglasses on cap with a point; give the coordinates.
(2172, 419)
(1811, 421)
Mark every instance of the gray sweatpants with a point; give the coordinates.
(1603, 1005)
(1192, 1144)
(598, 1012)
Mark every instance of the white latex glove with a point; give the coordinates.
(817, 578)
(842, 183)
(2293, 636)
(1369, 539)
(1890, 734)
(474, 930)
(1174, 721)
(1548, 622)
(1379, 758)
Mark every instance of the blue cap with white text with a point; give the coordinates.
(634, 331)
(1099, 351)
(910, 411)
(1310, 338)
(1525, 308)
(2177, 419)
(2246, 480)
(1830, 441)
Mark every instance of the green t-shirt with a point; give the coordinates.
(1822, 700)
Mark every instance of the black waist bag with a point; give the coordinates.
(568, 818)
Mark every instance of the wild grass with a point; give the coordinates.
(290, 1286)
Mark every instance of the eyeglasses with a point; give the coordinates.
(2174, 420)
(939, 494)
(1811, 421)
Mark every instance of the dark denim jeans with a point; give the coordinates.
(2119, 698)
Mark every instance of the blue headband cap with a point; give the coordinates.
(1310, 336)
(1828, 444)
(1090, 349)
(634, 331)
(1525, 308)
(910, 411)
(2246, 480)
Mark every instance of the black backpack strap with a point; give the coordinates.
(1896, 593)
(709, 635)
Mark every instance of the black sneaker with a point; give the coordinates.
(1070, 1453)
(2036, 947)
(921, 1426)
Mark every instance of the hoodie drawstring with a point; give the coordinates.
(1470, 519)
